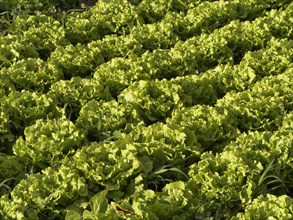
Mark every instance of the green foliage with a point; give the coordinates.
(268, 207)
(101, 119)
(31, 74)
(47, 143)
(210, 127)
(154, 101)
(146, 109)
(264, 106)
(13, 170)
(24, 108)
(76, 60)
(72, 94)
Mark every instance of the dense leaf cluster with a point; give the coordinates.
(146, 109)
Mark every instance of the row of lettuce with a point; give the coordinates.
(171, 112)
(134, 170)
(153, 101)
(145, 79)
(39, 36)
(226, 45)
(138, 158)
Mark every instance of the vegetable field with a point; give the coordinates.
(146, 109)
